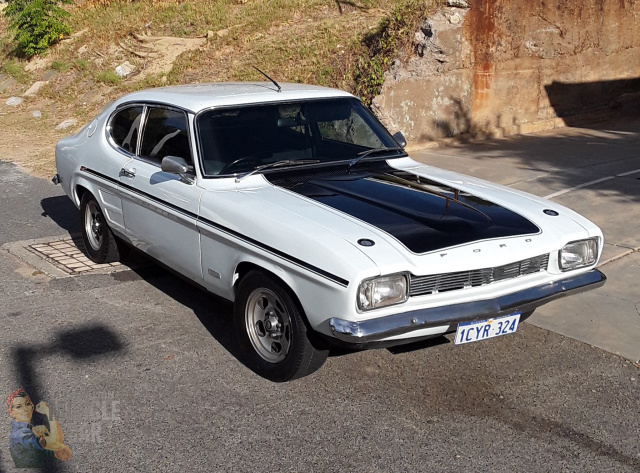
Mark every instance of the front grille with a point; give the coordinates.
(436, 283)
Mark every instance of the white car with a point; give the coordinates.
(295, 203)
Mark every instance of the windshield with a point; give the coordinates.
(237, 140)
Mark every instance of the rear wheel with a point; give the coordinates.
(273, 338)
(99, 242)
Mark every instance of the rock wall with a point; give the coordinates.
(499, 67)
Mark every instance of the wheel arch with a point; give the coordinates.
(313, 336)
(79, 191)
(245, 267)
(80, 187)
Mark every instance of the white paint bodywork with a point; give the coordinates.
(209, 229)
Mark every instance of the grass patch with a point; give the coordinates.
(60, 66)
(82, 64)
(16, 70)
(109, 78)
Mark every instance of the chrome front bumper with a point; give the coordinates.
(398, 324)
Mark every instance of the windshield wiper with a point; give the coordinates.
(371, 151)
(284, 162)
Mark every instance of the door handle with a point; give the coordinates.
(128, 172)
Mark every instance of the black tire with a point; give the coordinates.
(99, 242)
(281, 353)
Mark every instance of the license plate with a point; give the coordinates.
(483, 329)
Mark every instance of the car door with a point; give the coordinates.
(122, 134)
(160, 209)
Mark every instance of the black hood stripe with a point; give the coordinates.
(422, 214)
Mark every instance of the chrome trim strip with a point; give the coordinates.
(229, 232)
(525, 300)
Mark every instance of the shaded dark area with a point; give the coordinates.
(61, 210)
(417, 346)
(460, 125)
(213, 312)
(583, 102)
(81, 345)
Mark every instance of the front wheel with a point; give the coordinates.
(273, 338)
(99, 242)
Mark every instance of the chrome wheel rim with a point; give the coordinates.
(94, 225)
(268, 325)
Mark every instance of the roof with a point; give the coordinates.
(196, 97)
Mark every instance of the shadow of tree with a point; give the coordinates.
(468, 393)
(460, 127)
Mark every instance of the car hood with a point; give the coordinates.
(422, 214)
(415, 217)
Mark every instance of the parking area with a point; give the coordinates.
(142, 373)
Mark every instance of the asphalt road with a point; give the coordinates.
(141, 371)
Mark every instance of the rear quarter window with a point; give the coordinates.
(125, 127)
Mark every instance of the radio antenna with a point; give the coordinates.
(274, 82)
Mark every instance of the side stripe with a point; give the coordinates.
(227, 231)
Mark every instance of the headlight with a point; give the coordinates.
(382, 291)
(578, 254)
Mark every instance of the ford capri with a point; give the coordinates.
(295, 203)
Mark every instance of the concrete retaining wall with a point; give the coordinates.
(499, 67)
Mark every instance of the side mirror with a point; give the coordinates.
(400, 139)
(176, 165)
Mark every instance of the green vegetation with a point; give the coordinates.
(60, 66)
(378, 49)
(15, 70)
(109, 78)
(82, 64)
(37, 24)
(337, 43)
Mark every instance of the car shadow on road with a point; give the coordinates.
(214, 313)
(86, 344)
(61, 210)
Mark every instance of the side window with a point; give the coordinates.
(124, 128)
(165, 134)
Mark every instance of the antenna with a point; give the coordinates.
(274, 82)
